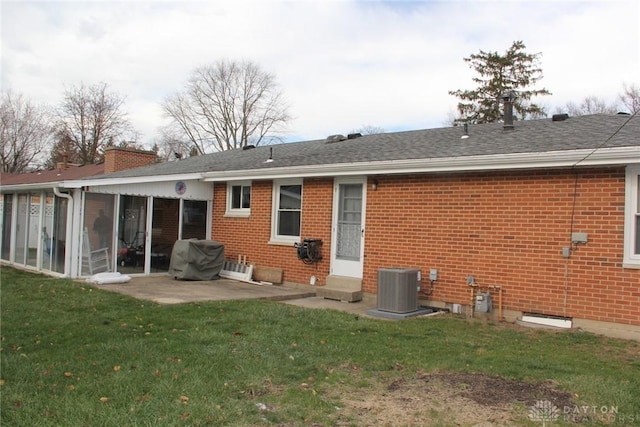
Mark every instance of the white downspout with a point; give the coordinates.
(69, 235)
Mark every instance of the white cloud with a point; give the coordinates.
(341, 64)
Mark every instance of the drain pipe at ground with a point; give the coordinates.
(499, 288)
(471, 281)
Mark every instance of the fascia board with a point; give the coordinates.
(551, 159)
(133, 180)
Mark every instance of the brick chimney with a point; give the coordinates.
(117, 159)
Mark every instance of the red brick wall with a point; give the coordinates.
(504, 228)
(508, 229)
(117, 159)
(250, 236)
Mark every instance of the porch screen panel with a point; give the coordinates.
(33, 233)
(59, 234)
(98, 226)
(349, 222)
(132, 225)
(7, 223)
(194, 219)
(164, 232)
(22, 228)
(47, 233)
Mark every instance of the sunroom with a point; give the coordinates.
(77, 222)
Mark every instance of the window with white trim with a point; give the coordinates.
(287, 211)
(632, 218)
(238, 198)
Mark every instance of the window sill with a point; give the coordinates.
(282, 242)
(632, 265)
(231, 214)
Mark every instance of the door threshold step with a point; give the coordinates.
(341, 288)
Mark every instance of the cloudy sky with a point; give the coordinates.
(341, 64)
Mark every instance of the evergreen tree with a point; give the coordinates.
(514, 72)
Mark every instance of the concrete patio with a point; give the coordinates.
(164, 289)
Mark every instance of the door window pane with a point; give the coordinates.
(349, 231)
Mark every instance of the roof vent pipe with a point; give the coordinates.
(270, 159)
(466, 131)
(508, 98)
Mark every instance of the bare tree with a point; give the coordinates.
(368, 130)
(630, 97)
(589, 105)
(172, 145)
(228, 105)
(92, 118)
(25, 130)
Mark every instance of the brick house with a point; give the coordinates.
(548, 210)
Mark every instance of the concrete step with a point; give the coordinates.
(341, 288)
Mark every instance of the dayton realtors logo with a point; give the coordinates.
(544, 412)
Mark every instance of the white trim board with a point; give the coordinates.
(547, 321)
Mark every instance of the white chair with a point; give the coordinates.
(94, 261)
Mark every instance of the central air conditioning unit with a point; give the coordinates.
(398, 289)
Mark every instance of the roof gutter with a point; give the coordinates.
(133, 180)
(29, 187)
(551, 159)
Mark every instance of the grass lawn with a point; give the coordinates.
(73, 355)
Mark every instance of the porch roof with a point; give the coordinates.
(49, 178)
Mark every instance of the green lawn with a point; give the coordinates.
(73, 355)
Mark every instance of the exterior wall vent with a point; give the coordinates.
(398, 290)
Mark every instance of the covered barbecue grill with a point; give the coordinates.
(196, 260)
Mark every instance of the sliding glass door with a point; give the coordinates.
(132, 226)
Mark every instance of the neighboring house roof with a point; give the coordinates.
(54, 177)
(616, 138)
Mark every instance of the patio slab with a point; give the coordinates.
(166, 290)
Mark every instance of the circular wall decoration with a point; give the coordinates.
(181, 187)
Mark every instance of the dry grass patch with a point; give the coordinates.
(445, 399)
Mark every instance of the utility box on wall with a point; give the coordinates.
(483, 302)
(398, 289)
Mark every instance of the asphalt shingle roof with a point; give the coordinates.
(55, 175)
(529, 136)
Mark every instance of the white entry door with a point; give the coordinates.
(347, 243)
